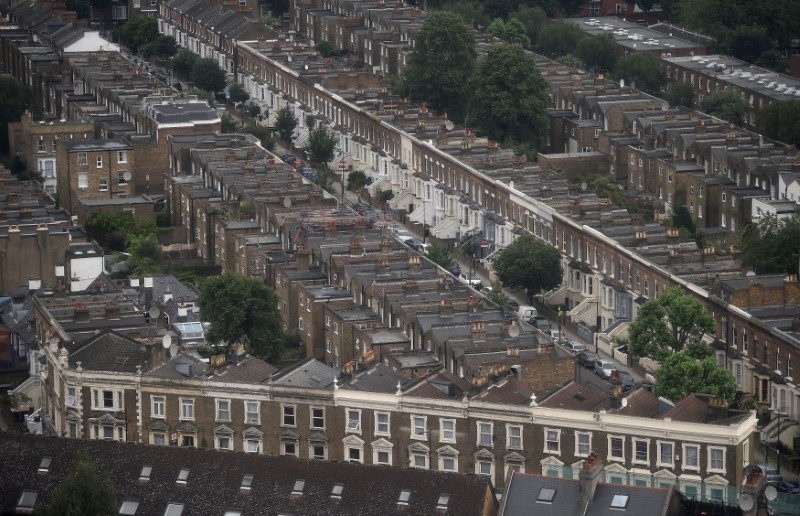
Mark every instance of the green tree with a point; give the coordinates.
(253, 110)
(772, 60)
(645, 5)
(145, 253)
(242, 309)
(571, 7)
(727, 105)
(682, 218)
(83, 492)
(322, 143)
(238, 94)
(183, 63)
(780, 121)
(228, 123)
(680, 94)
(667, 325)
(442, 63)
(138, 31)
(572, 61)
(497, 296)
(749, 42)
(163, 46)
(598, 52)
(285, 123)
(642, 71)
(694, 371)
(772, 245)
(263, 135)
(532, 18)
(512, 31)
(325, 49)
(529, 263)
(311, 122)
(471, 11)
(438, 254)
(384, 195)
(207, 75)
(356, 180)
(558, 38)
(15, 100)
(101, 227)
(510, 98)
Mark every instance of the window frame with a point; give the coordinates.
(313, 418)
(98, 161)
(547, 441)
(352, 429)
(510, 445)
(443, 431)
(288, 415)
(621, 457)
(184, 403)
(155, 402)
(710, 459)
(479, 434)
(659, 456)
(578, 435)
(218, 412)
(416, 419)
(635, 451)
(684, 462)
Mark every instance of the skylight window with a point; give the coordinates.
(233, 512)
(44, 466)
(337, 490)
(174, 509)
(183, 476)
(129, 507)
(299, 485)
(405, 496)
(247, 482)
(546, 495)
(619, 501)
(27, 501)
(144, 476)
(444, 499)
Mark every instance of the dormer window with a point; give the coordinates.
(27, 501)
(129, 507)
(546, 495)
(619, 502)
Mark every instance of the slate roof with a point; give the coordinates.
(308, 373)
(698, 408)
(510, 391)
(215, 478)
(109, 351)
(380, 378)
(578, 397)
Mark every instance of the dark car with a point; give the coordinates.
(626, 380)
(783, 486)
(587, 358)
(455, 270)
(540, 322)
(288, 158)
(177, 85)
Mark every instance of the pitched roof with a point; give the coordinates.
(308, 373)
(510, 391)
(380, 378)
(215, 478)
(577, 397)
(109, 351)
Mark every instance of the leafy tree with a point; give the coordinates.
(510, 98)
(263, 135)
(242, 309)
(471, 11)
(209, 97)
(83, 492)
(645, 5)
(694, 371)
(105, 228)
(497, 296)
(183, 63)
(598, 52)
(15, 100)
(81, 8)
(229, 124)
(512, 31)
(146, 253)
(772, 60)
(571, 7)
(322, 179)
(748, 43)
(438, 254)
(727, 105)
(772, 245)
(641, 70)
(559, 38)
(325, 49)
(529, 263)
(532, 18)
(572, 61)
(681, 94)
(163, 46)
(356, 180)
(238, 94)
(285, 123)
(253, 110)
(780, 121)
(138, 31)
(667, 325)
(682, 218)
(384, 195)
(442, 64)
(207, 75)
(322, 143)
(500, 8)
(311, 122)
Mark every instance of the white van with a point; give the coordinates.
(557, 335)
(526, 313)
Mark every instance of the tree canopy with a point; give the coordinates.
(680, 94)
(598, 52)
(558, 38)
(163, 46)
(242, 309)
(642, 71)
(15, 99)
(83, 492)
(529, 263)
(285, 123)
(356, 180)
(442, 63)
(727, 105)
(781, 121)
(533, 18)
(237, 92)
(138, 31)
(207, 75)
(667, 325)
(322, 143)
(694, 371)
(512, 31)
(183, 63)
(510, 98)
(438, 254)
(109, 229)
(470, 11)
(772, 245)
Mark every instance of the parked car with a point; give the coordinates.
(782, 486)
(177, 85)
(574, 347)
(540, 323)
(288, 158)
(527, 312)
(403, 235)
(771, 473)
(626, 380)
(471, 279)
(587, 358)
(556, 335)
(604, 368)
(455, 269)
(417, 244)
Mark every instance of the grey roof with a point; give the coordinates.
(308, 373)
(95, 145)
(380, 378)
(109, 351)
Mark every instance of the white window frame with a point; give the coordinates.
(83, 180)
(610, 448)
(684, 463)
(103, 184)
(479, 434)
(443, 430)
(158, 407)
(98, 399)
(510, 438)
(659, 462)
(83, 159)
(312, 417)
(634, 458)
(546, 448)
(122, 156)
(711, 450)
(99, 161)
(288, 413)
(578, 435)
(218, 412)
(218, 442)
(248, 443)
(445, 456)
(353, 428)
(378, 424)
(184, 403)
(478, 468)
(416, 427)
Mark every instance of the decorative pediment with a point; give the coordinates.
(73, 416)
(188, 428)
(665, 474)
(513, 457)
(551, 461)
(716, 480)
(223, 430)
(448, 450)
(352, 440)
(158, 425)
(383, 444)
(418, 448)
(318, 437)
(484, 454)
(253, 433)
(107, 419)
(615, 468)
(288, 435)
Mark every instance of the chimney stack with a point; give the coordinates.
(590, 473)
(355, 247)
(445, 307)
(303, 258)
(754, 486)
(478, 330)
(381, 265)
(414, 264)
(474, 304)
(410, 287)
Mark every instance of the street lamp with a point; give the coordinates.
(561, 315)
(777, 413)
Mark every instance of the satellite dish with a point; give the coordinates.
(449, 125)
(127, 175)
(173, 350)
(770, 493)
(746, 502)
(287, 202)
(166, 341)
(154, 312)
(622, 83)
(513, 331)
(584, 186)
